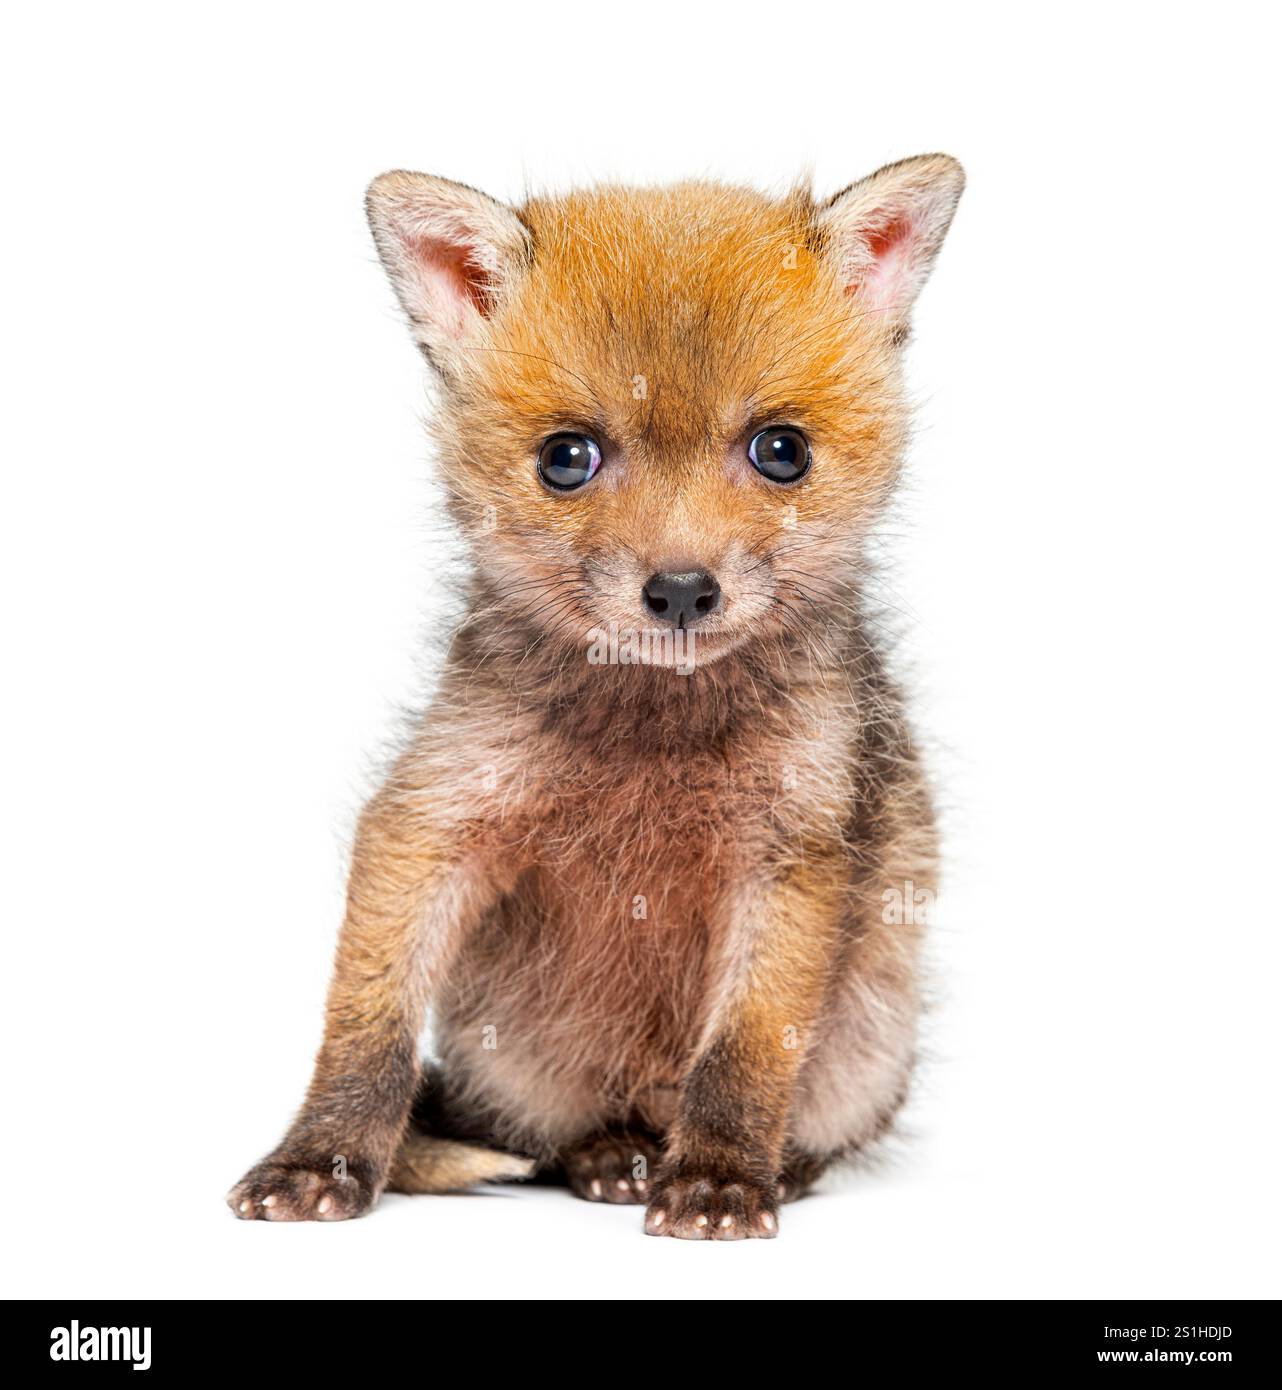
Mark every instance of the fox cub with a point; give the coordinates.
(636, 858)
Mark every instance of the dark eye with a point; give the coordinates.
(780, 454)
(567, 461)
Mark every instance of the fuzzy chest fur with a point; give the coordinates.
(585, 991)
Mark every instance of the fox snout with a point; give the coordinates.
(681, 599)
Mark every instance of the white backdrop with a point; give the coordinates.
(216, 560)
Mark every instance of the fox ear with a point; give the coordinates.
(885, 231)
(449, 251)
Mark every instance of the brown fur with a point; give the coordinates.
(632, 896)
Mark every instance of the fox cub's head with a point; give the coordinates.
(675, 406)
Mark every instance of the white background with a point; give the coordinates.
(217, 558)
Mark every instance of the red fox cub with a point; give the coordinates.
(637, 855)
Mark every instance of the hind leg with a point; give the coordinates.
(830, 1126)
(855, 1080)
(801, 1168)
(616, 1166)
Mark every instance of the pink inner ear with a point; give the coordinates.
(456, 278)
(467, 273)
(882, 240)
(886, 284)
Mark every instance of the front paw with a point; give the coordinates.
(707, 1207)
(281, 1188)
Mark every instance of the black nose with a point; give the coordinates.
(682, 599)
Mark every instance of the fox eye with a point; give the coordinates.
(780, 454)
(567, 461)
